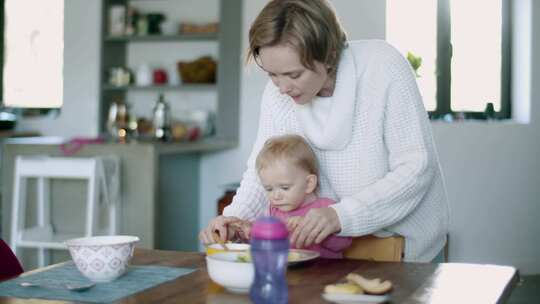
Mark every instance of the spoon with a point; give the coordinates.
(219, 241)
(68, 286)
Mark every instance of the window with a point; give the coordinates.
(33, 53)
(460, 51)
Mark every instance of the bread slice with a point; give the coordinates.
(374, 286)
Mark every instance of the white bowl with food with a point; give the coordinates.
(231, 247)
(235, 270)
(230, 271)
(295, 257)
(102, 258)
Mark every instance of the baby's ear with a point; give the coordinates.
(311, 180)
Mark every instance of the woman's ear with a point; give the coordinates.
(312, 181)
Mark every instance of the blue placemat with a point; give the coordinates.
(138, 278)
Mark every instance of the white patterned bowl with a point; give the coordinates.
(102, 258)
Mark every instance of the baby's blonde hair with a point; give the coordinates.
(291, 148)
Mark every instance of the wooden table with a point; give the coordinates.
(413, 282)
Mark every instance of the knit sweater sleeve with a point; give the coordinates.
(410, 153)
(250, 201)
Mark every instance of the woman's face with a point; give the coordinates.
(283, 65)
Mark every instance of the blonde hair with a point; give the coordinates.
(309, 26)
(291, 148)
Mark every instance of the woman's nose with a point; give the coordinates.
(284, 87)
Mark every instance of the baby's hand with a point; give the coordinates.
(241, 230)
(292, 222)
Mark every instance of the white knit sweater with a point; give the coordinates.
(375, 150)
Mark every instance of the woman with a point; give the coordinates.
(358, 105)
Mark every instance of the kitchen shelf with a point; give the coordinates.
(164, 38)
(153, 88)
(115, 52)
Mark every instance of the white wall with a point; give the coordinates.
(493, 176)
(80, 112)
(492, 170)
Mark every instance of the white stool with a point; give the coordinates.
(43, 168)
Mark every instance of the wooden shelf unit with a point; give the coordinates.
(229, 38)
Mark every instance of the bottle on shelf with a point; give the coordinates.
(132, 18)
(142, 25)
(117, 120)
(117, 20)
(161, 119)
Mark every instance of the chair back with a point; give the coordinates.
(9, 264)
(369, 247)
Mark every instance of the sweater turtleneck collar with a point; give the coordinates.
(327, 122)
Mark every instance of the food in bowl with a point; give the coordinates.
(102, 258)
(224, 270)
(294, 256)
(244, 258)
(232, 247)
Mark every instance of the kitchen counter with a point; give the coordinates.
(160, 185)
(204, 145)
(201, 146)
(11, 133)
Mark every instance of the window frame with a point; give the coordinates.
(443, 65)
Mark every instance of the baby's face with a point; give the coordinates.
(286, 185)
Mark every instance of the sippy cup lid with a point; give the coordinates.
(269, 228)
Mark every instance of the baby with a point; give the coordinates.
(288, 171)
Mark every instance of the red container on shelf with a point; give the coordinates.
(160, 76)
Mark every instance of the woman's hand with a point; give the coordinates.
(315, 226)
(220, 225)
(293, 222)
